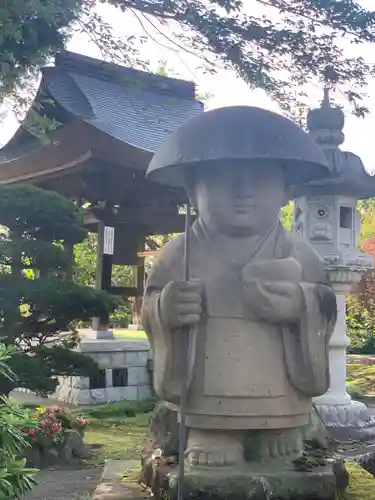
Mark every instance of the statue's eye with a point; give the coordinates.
(321, 212)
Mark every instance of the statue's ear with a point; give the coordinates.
(287, 191)
(192, 198)
(287, 196)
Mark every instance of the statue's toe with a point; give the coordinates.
(232, 458)
(203, 458)
(193, 457)
(213, 458)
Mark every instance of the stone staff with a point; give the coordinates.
(186, 367)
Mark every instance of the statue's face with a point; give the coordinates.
(239, 200)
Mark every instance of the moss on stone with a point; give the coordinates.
(319, 484)
(361, 483)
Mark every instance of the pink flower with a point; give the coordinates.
(82, 421)
(30, 431)
(56, 409)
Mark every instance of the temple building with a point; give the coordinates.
(108, 120)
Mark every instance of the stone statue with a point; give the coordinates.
(261, 309)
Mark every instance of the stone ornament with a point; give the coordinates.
(348, 176)
(259, 303)
(327, 216)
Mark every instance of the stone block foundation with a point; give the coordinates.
(124, 373)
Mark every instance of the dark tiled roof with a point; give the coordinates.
(133, 106)
(77, 63)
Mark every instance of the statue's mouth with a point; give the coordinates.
(243, 206)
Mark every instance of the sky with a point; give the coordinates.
(225, 87)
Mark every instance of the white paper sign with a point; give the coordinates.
(109, 240)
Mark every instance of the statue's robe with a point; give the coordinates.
(244, 373)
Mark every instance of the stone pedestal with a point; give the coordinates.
(95, 334)
(135, 327)
(336, 407)
(123, 373)
(319, 484)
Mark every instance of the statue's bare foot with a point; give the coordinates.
(287, 444)
(214, 448)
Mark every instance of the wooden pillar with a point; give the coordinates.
(105, 251)
(139, 277)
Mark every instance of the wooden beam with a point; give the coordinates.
(103, 273)
(125, 291)
(148, 253)
(64, 153)
(89, 218)
(138, 216)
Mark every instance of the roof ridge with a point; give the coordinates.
(96, 68)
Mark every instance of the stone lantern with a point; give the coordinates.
(326, 214)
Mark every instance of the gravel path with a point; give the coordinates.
(28, 398)
(65, 484)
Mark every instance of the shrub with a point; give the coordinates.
(48, 426)
(361, 328)
(40, 305)
(121, 409)
(15, 478)
(360, 316)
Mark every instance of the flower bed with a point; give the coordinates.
(55, 435)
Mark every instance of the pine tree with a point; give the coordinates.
(39, 305)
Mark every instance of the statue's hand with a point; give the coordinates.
(181, 303)
(274, 301)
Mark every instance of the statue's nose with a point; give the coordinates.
(244, 188)
(244, 182)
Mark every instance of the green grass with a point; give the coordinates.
(115, 411)
(118, 431)
(118, 440)
(130, 334)
(118, 428)
(362, 377)
(361, 483)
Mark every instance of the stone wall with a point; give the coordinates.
(124, 373)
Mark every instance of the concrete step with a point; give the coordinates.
(120, 482)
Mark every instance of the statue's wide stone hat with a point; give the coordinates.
(238, 134)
